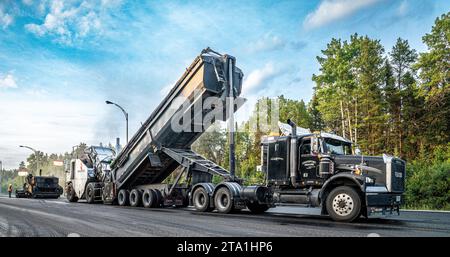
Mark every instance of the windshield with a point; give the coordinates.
(102, 151)
(103, 154)
(334, 146)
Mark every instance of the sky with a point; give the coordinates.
(60, 60)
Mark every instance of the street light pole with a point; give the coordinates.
(36, 153)
(124, 112)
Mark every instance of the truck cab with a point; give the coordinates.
(91, 167)
(321, 170)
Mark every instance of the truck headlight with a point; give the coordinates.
(369, 180)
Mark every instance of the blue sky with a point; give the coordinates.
(60, 60)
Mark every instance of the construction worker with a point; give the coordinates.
(10, 190)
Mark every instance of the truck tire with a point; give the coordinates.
(200, 199)
(90, 193)
(149, 198)
(123, 198)
(223, 200)
(343, 204)
(257, 208)
(159, 198)
(135, 198)
(71, 195)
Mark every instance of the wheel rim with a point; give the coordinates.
(343, 204)
(133, 198)
(223, 201)
(147, 198)
(200, 200)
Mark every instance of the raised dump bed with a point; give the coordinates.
(142, 161)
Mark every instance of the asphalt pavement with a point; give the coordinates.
(58, 217)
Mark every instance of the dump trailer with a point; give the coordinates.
(300, 167)
(157, 150)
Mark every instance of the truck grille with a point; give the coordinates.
(396, 175)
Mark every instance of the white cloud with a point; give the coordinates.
(68, 23)
(5, 19)
(258, 77)
(268, 42)
(7, 81)
(27, 2)
(403, 8)
(48, 123)
(332, 10)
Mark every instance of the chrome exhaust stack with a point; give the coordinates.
(293, 153)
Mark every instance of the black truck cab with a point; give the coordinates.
(321, 170)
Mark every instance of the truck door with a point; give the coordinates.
(308, 163)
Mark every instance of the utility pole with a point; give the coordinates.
(124, 112)
(36, 154)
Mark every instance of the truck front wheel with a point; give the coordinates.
(90, 193)
(71, 195)
(343, 204)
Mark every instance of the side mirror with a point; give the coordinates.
(358, 151)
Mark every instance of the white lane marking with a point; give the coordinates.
(436, 211)
(73, 235)
(373, 235)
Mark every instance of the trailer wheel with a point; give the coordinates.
(149, 198)
(257, 208)
(90, 193)
(223, 200)
(123, 197)
(159, 198)
(343, 204)
(200, 199)
(135, 198)
(71, 195)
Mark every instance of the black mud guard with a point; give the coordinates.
(235, 190)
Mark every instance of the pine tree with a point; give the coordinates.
(433, 67)
(402, 57)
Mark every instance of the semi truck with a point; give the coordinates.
(304, 168)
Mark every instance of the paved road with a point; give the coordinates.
(32, 217)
